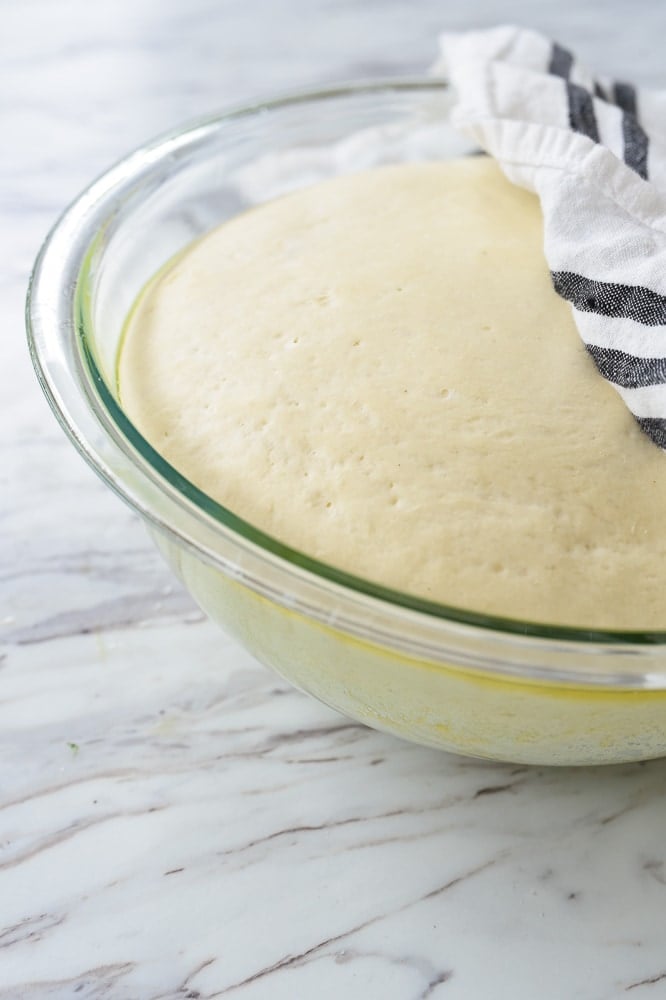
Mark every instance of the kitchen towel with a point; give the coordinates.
(594, 151)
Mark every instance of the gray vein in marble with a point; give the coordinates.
(294, 960)
(94, 984)
(58, 837)
(30, 929)
(651, 981)
(136, 609)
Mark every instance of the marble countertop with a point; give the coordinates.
(175, 821)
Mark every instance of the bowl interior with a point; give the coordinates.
(145, 210)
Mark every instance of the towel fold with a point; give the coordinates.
(594, 151)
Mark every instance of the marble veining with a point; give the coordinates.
(175, 820)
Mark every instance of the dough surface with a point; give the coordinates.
(377, 371)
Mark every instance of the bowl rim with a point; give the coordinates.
(58, 310)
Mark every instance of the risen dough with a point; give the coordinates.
(377, 371)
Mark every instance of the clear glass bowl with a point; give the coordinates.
(447, 677)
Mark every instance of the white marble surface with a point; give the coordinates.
(176, 822)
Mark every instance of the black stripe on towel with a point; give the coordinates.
(655, 428)
(634, 138)
(561, 61)
(624, 95)
(608, 299)
(581, 105)
(581, 111)
(627, 370)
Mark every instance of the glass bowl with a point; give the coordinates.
(442, 676)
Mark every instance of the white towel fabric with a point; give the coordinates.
(594, 151)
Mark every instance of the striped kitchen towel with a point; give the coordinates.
(595, 153)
